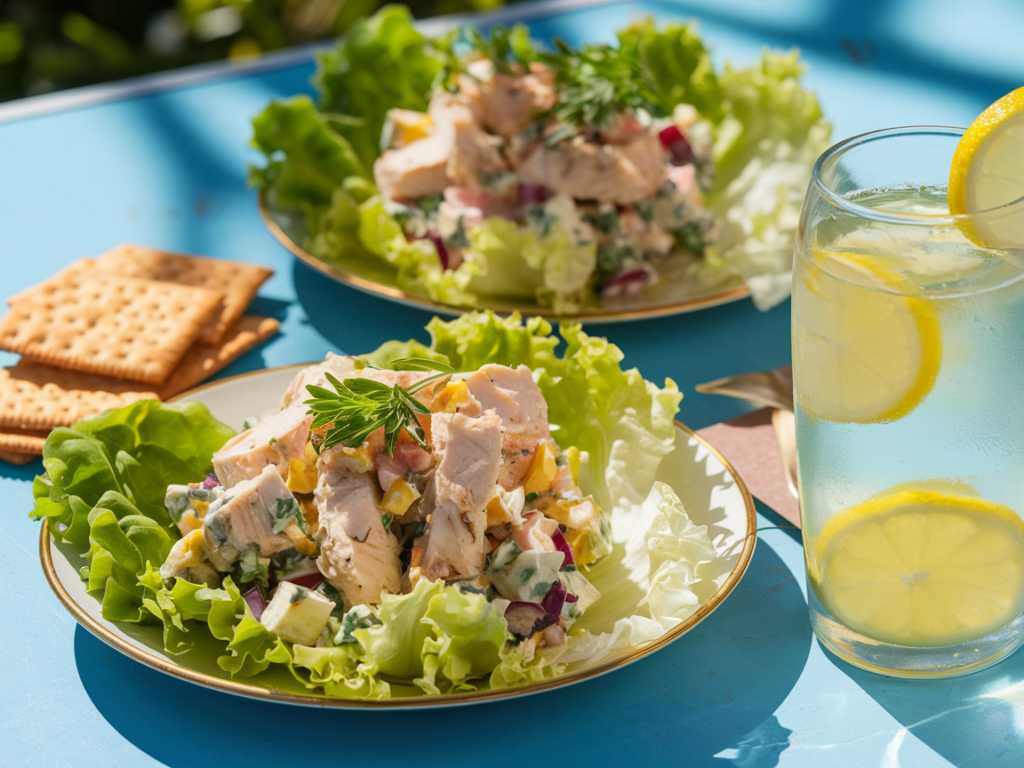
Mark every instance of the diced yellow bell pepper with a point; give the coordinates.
(302, 477)
(408, 126)
(188, 552)
(572, 455)
(399, 497)
(302, 543)
(497, 513)
(310, 453)
(189, 522)
(542, 470)
(579, 540)
(452, 397)
(362, 455)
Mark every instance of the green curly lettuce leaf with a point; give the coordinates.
(307, 160)
(104, 487)
(381, 63)
(765, 148)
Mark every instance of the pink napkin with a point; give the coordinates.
(749, 444)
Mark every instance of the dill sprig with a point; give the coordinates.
(359, 407)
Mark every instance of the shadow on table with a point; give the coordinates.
(972, 720)
(353, 321)
(713, 692)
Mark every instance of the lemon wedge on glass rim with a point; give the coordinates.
(865, 354)
(988, 172)
(920, 568)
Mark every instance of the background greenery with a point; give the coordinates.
(47, 45)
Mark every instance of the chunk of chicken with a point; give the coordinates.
(622, 174)
(535, 533)
(508, 102)
(247, 516)
(468, 453)
(408, 457)
(340, 367)
(274, 441)
(357, 556)
(473, 152)
(517, 400)
(418, 169)
(514, 396)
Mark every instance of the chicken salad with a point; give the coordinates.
(493, 167)
(461, 563)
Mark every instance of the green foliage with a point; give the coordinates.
(48, 46)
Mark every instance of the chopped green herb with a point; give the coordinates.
(386, 519)
(541, 219)
(531, 497)
(430, 203)
(360, 617)
(283, 512)
(250, 568)
(299, 595)
(458, 238)
(527, 574)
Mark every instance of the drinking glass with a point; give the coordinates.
(908, 375)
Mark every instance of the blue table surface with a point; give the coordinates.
(748, 687)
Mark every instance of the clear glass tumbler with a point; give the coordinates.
(908, 374)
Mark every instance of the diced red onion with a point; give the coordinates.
(211, 482)
(525, 619)
(571, 598)
(442, 249)
(669, 136)
(672, 139)
(256, 602)
(562, 545)
(533, 194)
(554, 599)
(307, 580)
(633, 276)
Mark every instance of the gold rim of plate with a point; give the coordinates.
(714, 298)
(424, 701)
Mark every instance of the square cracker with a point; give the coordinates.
(17, 459)
(237, 280)
(204, 360)
(35, 395)
(101, 322)
(28, 441)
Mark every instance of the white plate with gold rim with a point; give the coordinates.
(675, 293)
(709, 488)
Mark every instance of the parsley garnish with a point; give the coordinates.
(359, 407)
(596, 83)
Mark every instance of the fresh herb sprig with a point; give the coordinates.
(359, 407)
(596, 83)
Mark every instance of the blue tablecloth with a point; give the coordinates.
(164, 165)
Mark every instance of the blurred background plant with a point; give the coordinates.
(48, 45)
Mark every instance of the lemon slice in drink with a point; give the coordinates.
(921, 568)
(988, 172)
(861, 353)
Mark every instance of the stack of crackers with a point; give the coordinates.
(135, 323)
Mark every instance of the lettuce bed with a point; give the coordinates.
(767, 133)
(103, 494)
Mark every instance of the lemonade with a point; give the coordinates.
(908, 367)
